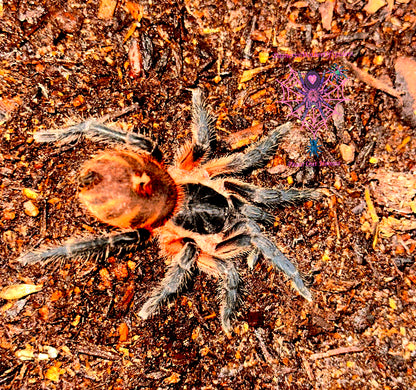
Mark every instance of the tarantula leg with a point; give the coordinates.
(97, 131)
(97, 247)
(244, 241)
(256, 157)
(203, 134)
(173, 282)
(278, 259)
(230, 283)
(271, 197)
(252, 212)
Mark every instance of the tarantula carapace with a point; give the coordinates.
(201, 214)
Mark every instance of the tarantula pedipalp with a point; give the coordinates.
(200, 217)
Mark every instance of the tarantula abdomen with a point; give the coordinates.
(127, 190)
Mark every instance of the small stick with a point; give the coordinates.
(247, 49)
(334, 352)
(117, 113)
(269, 358)
(308, 369)
(333, 206)
(94, 351)
(371, 81)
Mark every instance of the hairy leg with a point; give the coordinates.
(176, 276)
(100, 247)
(203, 134)
(254, 158)
(271, 197)
(230, 284)
(251, 238)
(97, 131)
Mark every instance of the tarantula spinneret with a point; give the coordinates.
(202, 215)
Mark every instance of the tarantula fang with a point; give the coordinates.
(202, 215)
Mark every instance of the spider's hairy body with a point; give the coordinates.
(201, 216)
(127, 190)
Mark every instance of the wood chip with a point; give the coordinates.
(29, 193)
(106, 9)
(249, 74)
(135, 60)
(123, 332)
(373, 6)
(326, 10)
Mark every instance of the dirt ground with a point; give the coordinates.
(63, 62)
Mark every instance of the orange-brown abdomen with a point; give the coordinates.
(127, 190)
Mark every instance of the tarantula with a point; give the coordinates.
(313, 87)
(201, 217)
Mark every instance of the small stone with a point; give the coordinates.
(347, 152)
(30, 209)
(338, 183)
(263, 57)
(9, 215)
(29, 193)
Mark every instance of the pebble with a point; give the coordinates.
(30, 209)
(347, 152)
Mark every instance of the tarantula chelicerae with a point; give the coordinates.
(201, 217)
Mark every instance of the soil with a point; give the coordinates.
(65, 62)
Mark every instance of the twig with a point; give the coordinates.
(268, 357)
(334, 352)
(308, 369)
(372, 81)
(333, 206)
(247, 49)
(91, 350)
(116, 114)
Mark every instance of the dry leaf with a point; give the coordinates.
(17, 291)
(135, 10)
(374, 5)
(54, 372)
(174, 378)
(390, 226)
(244, 137)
